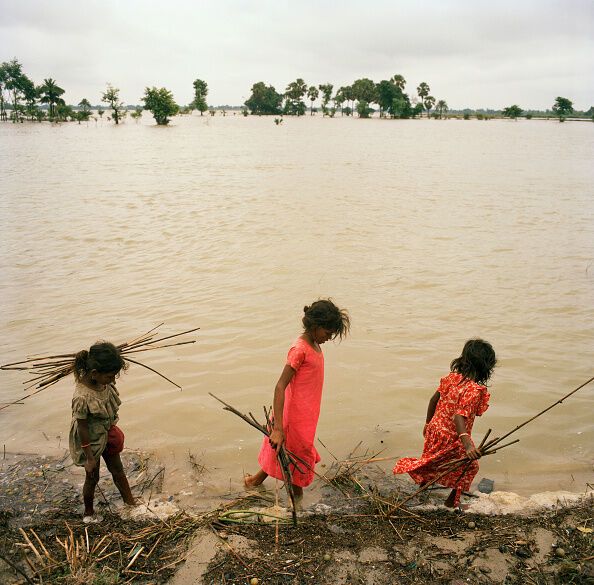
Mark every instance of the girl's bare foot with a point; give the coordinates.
(252, 481)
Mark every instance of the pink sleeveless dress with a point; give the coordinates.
(303, 397)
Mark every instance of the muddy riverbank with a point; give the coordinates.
(344, 536)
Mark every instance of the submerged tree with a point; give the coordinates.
(264, 100)
(326, 89)
(160, 103)
(294, 94)
(3, 78)
(136, 114)
(50, 93)
(111, 96)
(200, 93)
(563, 107)
(15, 82)
(399, 82)
(392, 100)
(312, 94)
(441, 108)
(365, 92)
(513, 112)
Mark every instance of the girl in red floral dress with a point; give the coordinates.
(461, 396)
(298, 394)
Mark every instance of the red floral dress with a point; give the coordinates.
(303, 397)
(457, 395)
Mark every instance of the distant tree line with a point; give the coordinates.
(21, 99)
(388, 95)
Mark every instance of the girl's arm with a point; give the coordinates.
(85, 441)
(471, 451)
(277, 437)
(431, 410)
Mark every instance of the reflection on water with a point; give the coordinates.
(429, 232)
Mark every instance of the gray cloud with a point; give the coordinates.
(472, 53)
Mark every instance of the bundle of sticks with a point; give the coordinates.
(45, 371)
(285, 457)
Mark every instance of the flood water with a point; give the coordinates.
(428, 232)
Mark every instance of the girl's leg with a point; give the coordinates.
(91, 481)
(298, 491)
(255, 480)
(115, 467)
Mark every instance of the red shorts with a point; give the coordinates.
(115, 441)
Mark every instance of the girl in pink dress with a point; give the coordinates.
(461, 396)
(297, 397)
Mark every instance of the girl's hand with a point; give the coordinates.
(90, 464)
(471, 451)
(277, 439)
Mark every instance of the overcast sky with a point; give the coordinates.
(472, 53)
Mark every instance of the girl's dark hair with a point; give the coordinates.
(324, 313)
(476, 362)
(102, 356)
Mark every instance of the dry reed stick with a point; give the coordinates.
(49, 369)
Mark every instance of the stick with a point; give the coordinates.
(498, 440)
(153, 370)
(17, 569)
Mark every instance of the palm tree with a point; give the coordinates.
(399, 82)
(312, 94)
(3, 80)
(50, 94)
(429, 103)
(423, 91)
(85, 105)
(441, 108)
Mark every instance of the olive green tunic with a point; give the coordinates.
(100, 408)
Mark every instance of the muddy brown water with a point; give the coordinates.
(428, 232)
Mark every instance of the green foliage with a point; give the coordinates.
(111, 96)
(264, 100)
(50, 94)
(363, 109)
(513, 112)
(528, 116)
(294, 94)
(63, 112)
(417, 110)
(348, 111)
(82, 116)
(392, 100)
(326, 89)
(441, 108)
(136, 114)
(423, 90)
(200, 93)
(18, 86)
(312, 94)
(85, 105)
(562, 107)
(466, 115)
(364, 90)
(160, 102)
(399, 82)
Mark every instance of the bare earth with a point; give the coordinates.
(346, 537)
